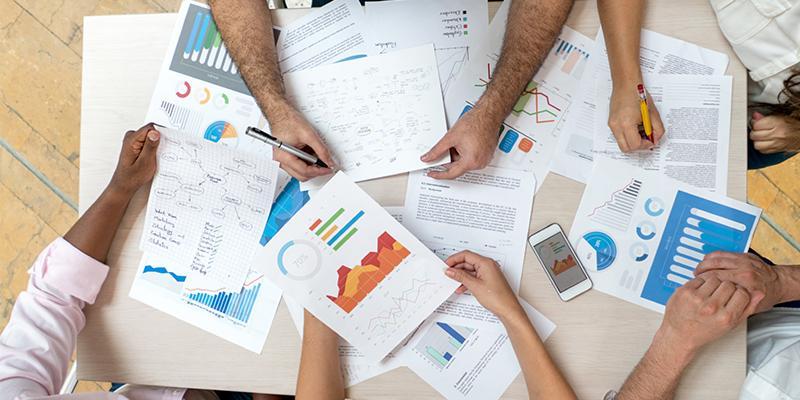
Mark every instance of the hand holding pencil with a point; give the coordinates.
(632, 112)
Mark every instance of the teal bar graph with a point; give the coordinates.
(235, 305)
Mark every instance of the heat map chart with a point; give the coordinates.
(357, 282)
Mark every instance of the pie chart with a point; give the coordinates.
(596, 250)
(221, 132)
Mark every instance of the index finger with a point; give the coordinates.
(463, 257)
(313, 140)
(738, 302)
(292, 163)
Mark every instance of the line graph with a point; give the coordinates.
(382, 324)
(547, 105)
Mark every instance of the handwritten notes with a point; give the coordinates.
(207, 208)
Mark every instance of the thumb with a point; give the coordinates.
(757, 116)
(438, 150)
(150, 145)
(462, 277)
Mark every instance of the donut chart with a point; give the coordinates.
(596, 250)
(221, 132)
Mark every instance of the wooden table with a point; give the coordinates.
(598, 340)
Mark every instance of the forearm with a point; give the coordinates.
(657, 375)
(94, 231)
(542, 376)
(789, 276)
(531, 30)
(246, 28)
(622, 25)
(320, 375)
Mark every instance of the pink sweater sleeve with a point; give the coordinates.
(37, 343)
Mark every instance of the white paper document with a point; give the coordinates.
(528, 136)
(641, 235)
(696, 112)
(487, 211)
(207, 207)
(659, 54)
(353, 266)
(377, 115)
(242, 316)
(465, 359)
(200, 90)
(329, 34)
(453, 26)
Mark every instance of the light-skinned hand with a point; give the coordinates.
(137, 160)
(292, 128)
(775, 133)
(472, 140)
(701, 311)
(625, 117)
(484, 279)
(747, 270)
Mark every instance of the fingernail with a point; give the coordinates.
(424, 157)
(449, 272)
(152, 135)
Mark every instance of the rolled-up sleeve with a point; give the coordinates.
(37, 343)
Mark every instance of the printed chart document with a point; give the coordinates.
(659, 54)
(353, 266)
(332, 33)
(453, 26)
(696, 112)
(641, 235)
(200, 90)
(487, 211)
(465, 359)
(377, 114)
(206, 209)
(528, 136)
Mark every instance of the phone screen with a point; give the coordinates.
(559, 261)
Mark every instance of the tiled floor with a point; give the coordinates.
(40, 74)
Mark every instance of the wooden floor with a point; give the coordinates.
(40, 75)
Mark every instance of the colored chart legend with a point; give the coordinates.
(441, 343)
(356, 283)
(235, 305)
(335, 235)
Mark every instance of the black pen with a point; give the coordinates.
(273, 141)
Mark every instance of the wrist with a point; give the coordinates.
(789, 282)
(672, 347)
(627, 81)
(513, 317)
(118, 193)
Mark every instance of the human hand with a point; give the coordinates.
(625, 116)
(137, 160)
(291, 127)
(483, 277)
(747, 270)
(473, 137)
(701, 311)
(775, 133)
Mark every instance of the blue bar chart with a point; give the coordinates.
(442, 342)
(202, 54)
(235, 305)
(695, 227)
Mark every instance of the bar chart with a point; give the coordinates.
(235, 305)
(572, 58)
(442, 342)
(201, 53)
(695, 227)
(617, 211)
(335, 235)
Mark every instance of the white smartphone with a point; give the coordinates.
(560, 263)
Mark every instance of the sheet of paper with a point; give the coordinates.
(348, 262)
(641, 234)
(528, 137)
(453, 26)
(354, 367)
(659, 54)
(243, 316)
(200, 90)
(329, 34)
(696, 112)
(465, 359)
(377, 114)
(486, 211)
(206, 208)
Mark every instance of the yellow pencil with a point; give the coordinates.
(648, 128)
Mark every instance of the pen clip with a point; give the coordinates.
(254, 132)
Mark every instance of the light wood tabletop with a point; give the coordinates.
(599, 338)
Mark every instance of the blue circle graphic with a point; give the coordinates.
(646, 230)
(654, 206)
(214, 131)
(604, 246)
